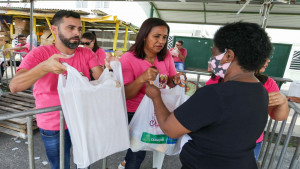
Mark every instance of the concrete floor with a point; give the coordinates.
(18, 159)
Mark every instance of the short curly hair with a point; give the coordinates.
(249, 42)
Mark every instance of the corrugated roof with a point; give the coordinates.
(47, 10)
(219, 12)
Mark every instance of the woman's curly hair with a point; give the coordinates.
(249, 42)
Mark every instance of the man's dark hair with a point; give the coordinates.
(91, 36)
(249, 42)
(57, 18)
(138, 47)
(180, 41)
(21, 35)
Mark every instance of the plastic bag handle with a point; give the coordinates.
(74, 74)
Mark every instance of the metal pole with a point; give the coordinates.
(125, 38)
(198, 78)
(269, 144)
(151, 10)
(276, 144)
(115, 44)
(261, 155)
(30, 142)
(104, 163)
(62, 141)
(265, 15)
(31, 21)
(295, 156)
(11, 65)
(288, 136)
(28, 113)
(5, 69)
(15, 63)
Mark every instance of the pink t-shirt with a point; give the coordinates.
(26, 50)
(212, 81)
(133, 67)
(183, 51)
(270, 86)
(45, 89)
(101, 55)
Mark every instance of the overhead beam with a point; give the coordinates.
(228, 12)
(155, 9)
(219, 24)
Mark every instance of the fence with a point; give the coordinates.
(262, 161)
(13, 63)
(28, 115)
(266, 159)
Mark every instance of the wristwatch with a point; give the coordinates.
(110, 70)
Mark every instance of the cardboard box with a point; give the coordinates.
(3, 38)
(47, 38)
(19, 31)
(23, 24)
(4, 34)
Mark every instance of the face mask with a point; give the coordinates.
(216, 66)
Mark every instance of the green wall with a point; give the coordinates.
(199, 52)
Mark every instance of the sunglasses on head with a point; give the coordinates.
(85, 43)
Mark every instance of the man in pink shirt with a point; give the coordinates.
(179, 55)
(21, 47)
(41, 67)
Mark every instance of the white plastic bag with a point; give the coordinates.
(175, 52)
(145, 133)
(95, 114)
(294, 89)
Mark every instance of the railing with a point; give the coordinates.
(28, 115)
(266, 159)
(262, 161)
(195, 73)
(278, 80)
(13, 66)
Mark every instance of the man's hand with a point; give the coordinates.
(152, 91)
(54, 65)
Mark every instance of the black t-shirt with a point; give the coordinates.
(226, 120)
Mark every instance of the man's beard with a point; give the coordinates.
(67, 42)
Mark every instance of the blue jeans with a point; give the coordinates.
(51, 142)
(257, 150)
(179, 65)
(134, 159)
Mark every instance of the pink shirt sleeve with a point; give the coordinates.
(101, 55)
(271, 85)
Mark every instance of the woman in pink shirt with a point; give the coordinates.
(89, 40)
(278, 105)
(146, 59)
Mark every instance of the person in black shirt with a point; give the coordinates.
(224, 120)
